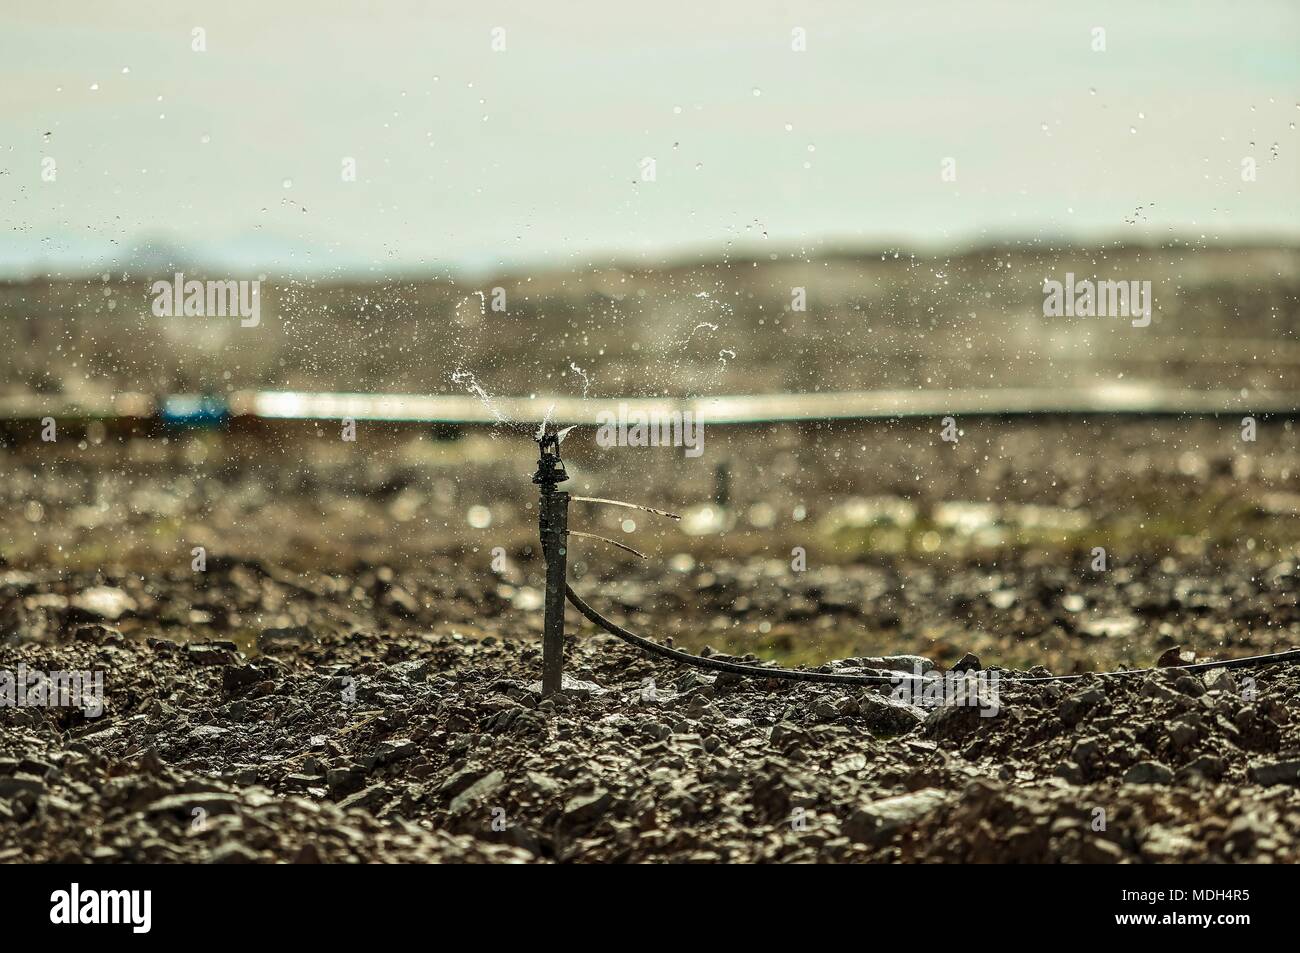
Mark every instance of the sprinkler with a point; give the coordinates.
(553, 526)
(553, 517)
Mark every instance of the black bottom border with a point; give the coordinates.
(303, 903)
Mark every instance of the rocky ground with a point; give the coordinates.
(362, 748)
(288, 703)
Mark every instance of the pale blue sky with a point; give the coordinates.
(469, 158)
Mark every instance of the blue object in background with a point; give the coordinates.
(194, 410)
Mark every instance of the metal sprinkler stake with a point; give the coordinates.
(553, 516)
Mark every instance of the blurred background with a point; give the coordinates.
(917, 168)
(649, 191)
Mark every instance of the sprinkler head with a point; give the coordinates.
(550, 468)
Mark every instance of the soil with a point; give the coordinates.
(352, 675)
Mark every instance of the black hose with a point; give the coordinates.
(799, 675)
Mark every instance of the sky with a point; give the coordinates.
(121, 145)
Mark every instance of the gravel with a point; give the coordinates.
(437, 748)
(352, 679)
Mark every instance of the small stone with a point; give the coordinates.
(783, 732)
(1148, 772)
(1190, 685)
(343, 778)
(1156, 686)
(824, 710)
(365, 798)
(301, 781)
(413, 671)
(574, 687)
(21, 784)
(1275, 772)
(37, 768)
(1073, 709)
(898, 663)
(1098, 850)
(1163, 845)
(874, 823)
(1069, 771)
(477, 791)
(236, 677)
(1181, 735)
(207, 732)
(1207, 767)
(955, 722)
(1086, 751)
(308, 853)
(212, 802)
(888, 715)
(395, 749)
(210, 654)
(95, 633)
(592, 806)
(1176, 657)
(150, 763)
(1220, 680)
(543, 783)
(233, 853)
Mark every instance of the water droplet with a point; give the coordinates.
(287, 183)
(757, 91)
